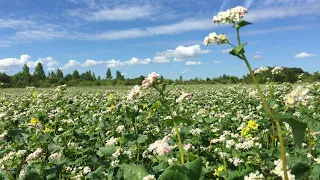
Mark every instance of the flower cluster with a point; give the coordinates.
(277, 70)
(279, 171)
(161, 147)
(148, 81)
(214, 38)
(252, 124)
(182, 97)
(261, 70)
(149, 177)
(134, 93)
(254, 176)
(34, 155)
(230, 16)
(297, 96)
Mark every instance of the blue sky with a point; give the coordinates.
(141, 36)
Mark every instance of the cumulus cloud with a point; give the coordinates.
(160, 59)
(48, 62)
(183, 52)
(14, 62)
(304, 55)
(90, 63)
(192, 63)
(115, 63)
(178, 60)
(70, 64)
(134, 61)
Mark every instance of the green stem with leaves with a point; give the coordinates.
(180, 144)
(138, 145)
(268, 110)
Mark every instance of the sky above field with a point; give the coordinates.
(141, 36)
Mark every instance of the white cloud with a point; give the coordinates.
(145, 61)
(90, 62)
(14, 23)
(4, 70)
(13, 62)
(160, 59)
(178, 60)
(216, 62)
(42, 35)
(257, 56)
(70, 64)
(123, 13)
(183, 52)
(48, 62)
(277, 29)
(278, 12)
(134, 61)
(192, 63)
(304, 55)
(226, 50)
(183, 26)
(51, 69)
(115, 63)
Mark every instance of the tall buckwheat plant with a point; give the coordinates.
(234, 17)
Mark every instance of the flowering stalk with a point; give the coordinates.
(268, 110)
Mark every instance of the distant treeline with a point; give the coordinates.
(23, 78)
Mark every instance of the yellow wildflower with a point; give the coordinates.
(244, 131)
(35, 94)
(252, 124)
(215, 173)
(34, 121)
(221, 168)
(46, 130)
(110, 96)
(112, 107)
(6, 103)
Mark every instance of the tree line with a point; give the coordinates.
(24, 78)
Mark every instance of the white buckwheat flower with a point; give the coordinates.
(182, 97)
(111, 141)
(230, 16)
(297, 96)
(278, 170)
(120, 129)
(161, 147)
(196, 131)
(34, 154)
(187, 146)
(134, 93)
(3, 135)
(148, 81)
(149, 177)
(213, 38)
(260, 70)
(276, 70)
(254, 176)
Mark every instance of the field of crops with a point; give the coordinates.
(75, 133)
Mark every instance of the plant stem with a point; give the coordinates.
(268, 110)
(138, 145)
(180, 144)
(309, 140)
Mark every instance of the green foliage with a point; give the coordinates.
(133, 171)
(189, 171)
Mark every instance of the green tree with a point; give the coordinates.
(59, 74)
(119, 76)
(39, 73)
(75, 75)
(108, 74)
(26, 74)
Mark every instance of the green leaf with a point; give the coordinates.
(51, 176)
(298, 128)
(242, 24)
(133, 171)
(189, 171)
(53, 147)
(105, 151)
(238, 50)
(97, 174)
(142, 139)
(15, 132)
(178, 120)
(315, 174)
